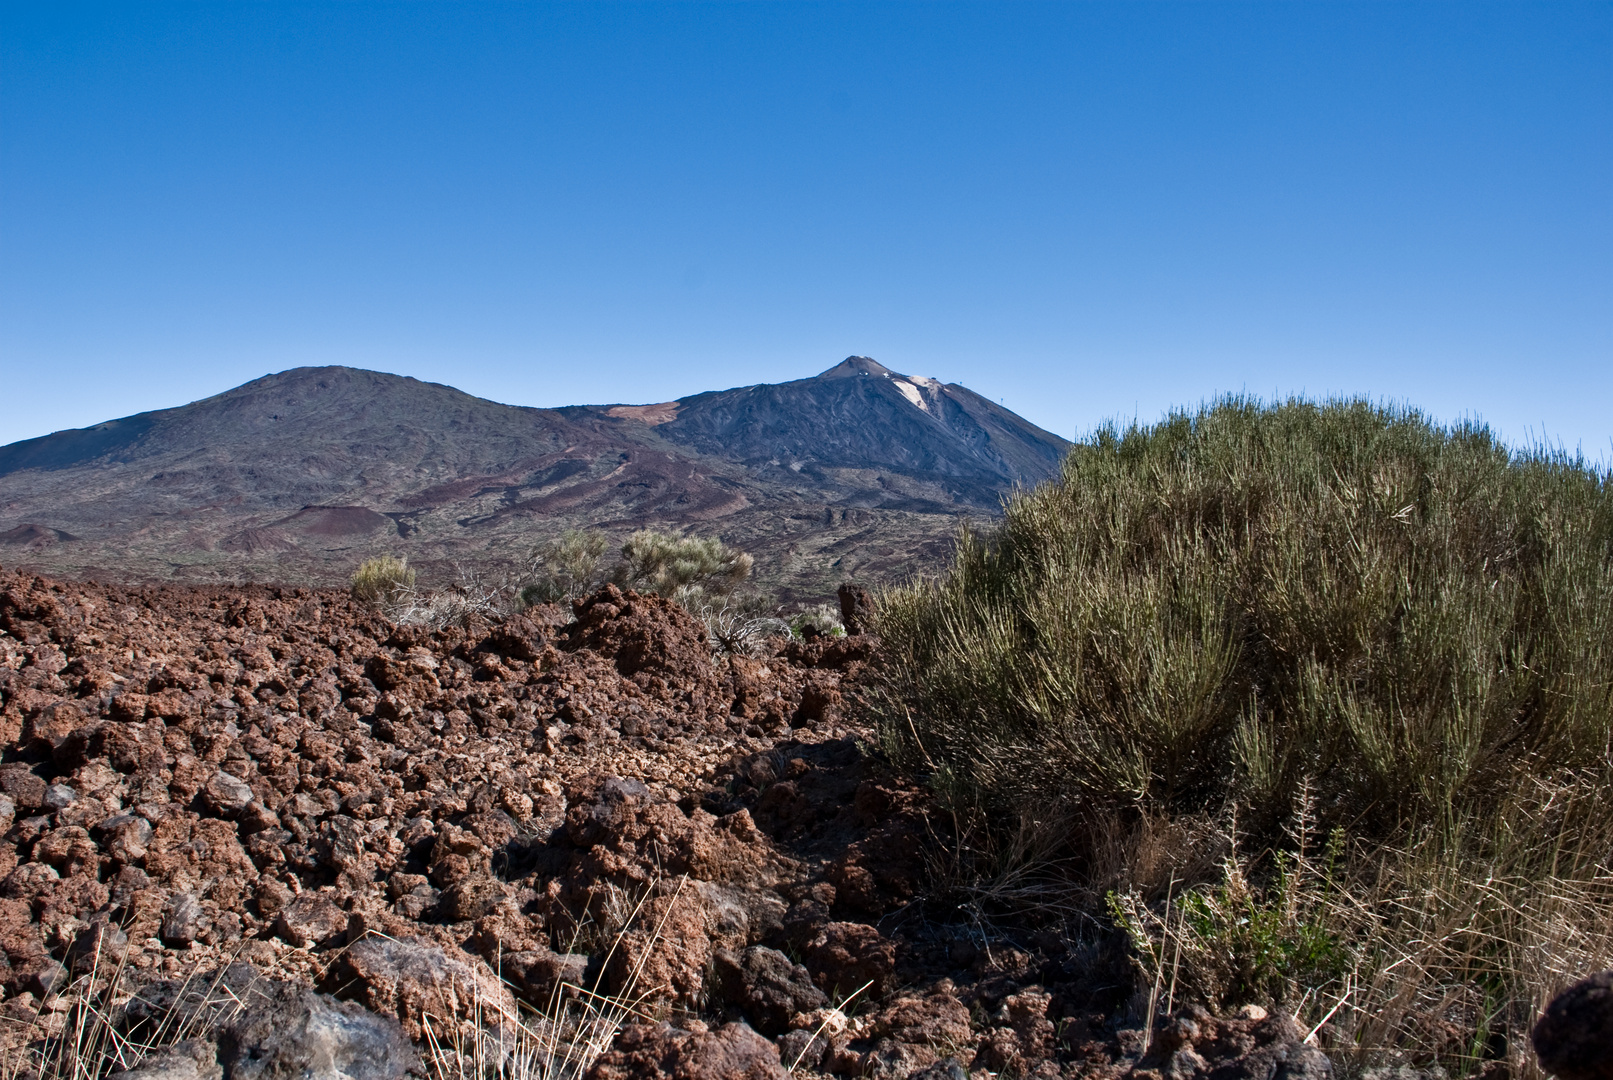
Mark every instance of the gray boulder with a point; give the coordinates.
(293, 1033)
(253, 1029)
(193, 1059)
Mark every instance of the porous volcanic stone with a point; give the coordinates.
(193, 1059)
(409, 980)
(1574, 1036)
(310, 920)
(664, 1052)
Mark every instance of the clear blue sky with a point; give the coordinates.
(1085, 210)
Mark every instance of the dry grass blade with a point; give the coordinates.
(832, 1014)
(91, 1041)
(565, 1038)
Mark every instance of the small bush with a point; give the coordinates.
(1244, 942)
(822, 619)
(669, 565)
(567, 566)
(739, 625)
(389, 584)
(381, 579)
(474, 593)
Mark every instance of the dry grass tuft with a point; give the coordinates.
(83, 1038)
(382, 579)
(565, 1038)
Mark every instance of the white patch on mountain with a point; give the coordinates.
(910, 390)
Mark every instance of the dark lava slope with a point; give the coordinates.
(860, 414)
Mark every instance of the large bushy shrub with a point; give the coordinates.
(686, 568)
(669, 564)
(567, 566)
(1411, 620)
(1313, 701)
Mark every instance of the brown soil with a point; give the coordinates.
(440, 822)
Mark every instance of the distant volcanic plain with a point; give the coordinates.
(296, 477)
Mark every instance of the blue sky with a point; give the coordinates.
(1084, 210)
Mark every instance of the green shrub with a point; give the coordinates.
(381, 580)
(568, 566)
(1412, 619)
(1244, 942)
(1400, 632)
(686, 568)
(671, 565)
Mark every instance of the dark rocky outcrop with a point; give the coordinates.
(1574, 1036)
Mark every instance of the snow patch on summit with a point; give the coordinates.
(910, 386)
(910, 392)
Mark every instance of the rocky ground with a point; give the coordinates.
(277, 795)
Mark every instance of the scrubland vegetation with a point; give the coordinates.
(703, 574)
(1312, 702)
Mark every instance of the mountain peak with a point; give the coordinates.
(857, 365)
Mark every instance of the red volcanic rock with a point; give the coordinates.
(937, 1019)
(25, 790)
(844, 956)
(769, 987)
(310, 920)
(664, 1052)
(856, 607)
(225, 766)
(650, 639)
(430, 822)
(413, 981)
(48, 727)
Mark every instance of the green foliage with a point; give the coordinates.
(381, 580)
(1232, 601)
(567, 566)
(687, 568)
(1341, 613)
(1246, 943)
(674, 565)
(824, 619)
